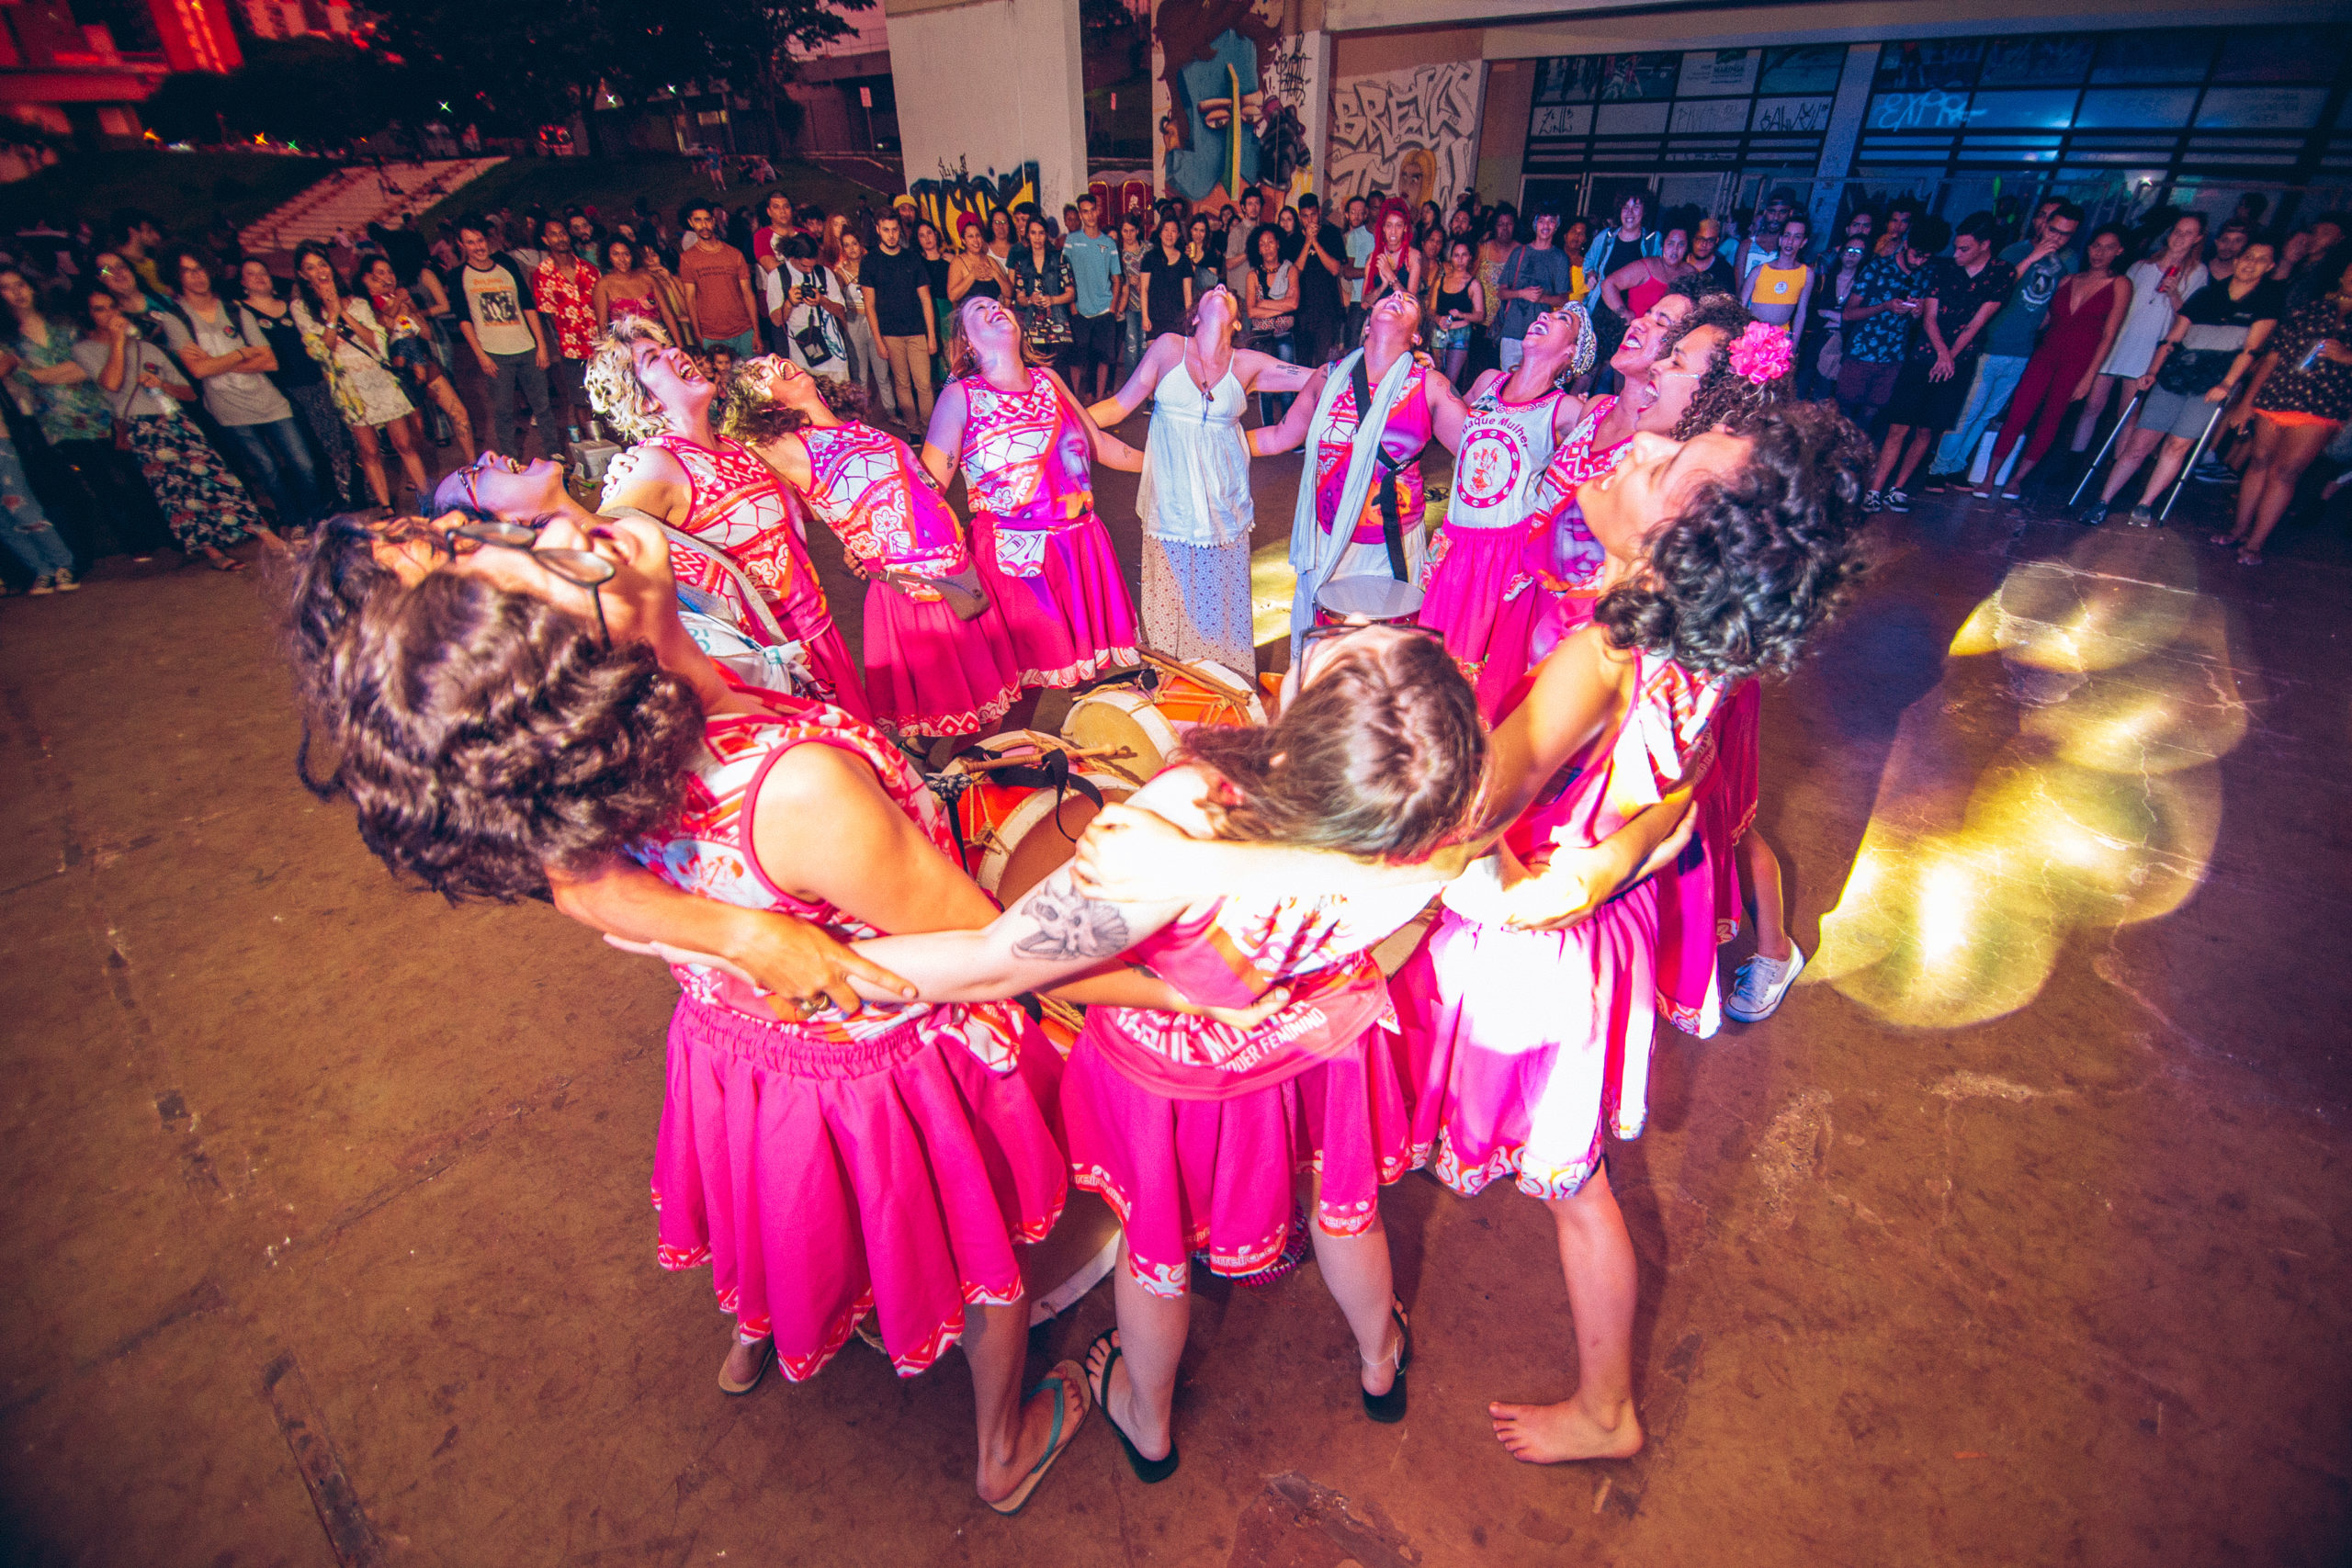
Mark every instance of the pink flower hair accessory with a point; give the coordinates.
(1763, 354)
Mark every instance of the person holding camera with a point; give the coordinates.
(806, 300)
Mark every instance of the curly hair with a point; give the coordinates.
(484, 736)
(1382, 756)
(1723, 396)
(1757, 559)
(614, 387)
(755, 419)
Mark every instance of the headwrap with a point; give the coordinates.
(1314, 551)
(1585, 348)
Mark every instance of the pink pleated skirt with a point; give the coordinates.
(1072, 619)
(1214, 1176)
(1523, 1047)
(928, 672)
(1726, 807)
(824, 1179)
(803, 615)
(1465, 588)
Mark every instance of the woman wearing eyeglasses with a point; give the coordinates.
(683, 473)
(822, 1164)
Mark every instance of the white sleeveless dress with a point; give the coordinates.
(1196, 513)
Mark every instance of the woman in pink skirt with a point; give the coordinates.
(704, 485)
(1723, 554)
(1026, 448)
(1559, 557)
(1503, 441)
(823, 1164)
(928, 670)
(1192, 1129)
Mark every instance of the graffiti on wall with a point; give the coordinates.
(1411, 134)
(1224, 121)
(956, 192)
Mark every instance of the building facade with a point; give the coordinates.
(83, 70)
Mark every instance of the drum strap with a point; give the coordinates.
(1392, 527)
(1052, 773)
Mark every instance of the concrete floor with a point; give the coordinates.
(2015, 1237)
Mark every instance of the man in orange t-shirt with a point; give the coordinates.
(717, 282)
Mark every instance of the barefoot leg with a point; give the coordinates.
(1598, 1421)
(1013, 1436)
(1763, 869)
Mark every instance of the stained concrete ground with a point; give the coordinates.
(2015, 1237)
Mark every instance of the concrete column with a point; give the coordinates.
(1845, 129)
(1315, 112)
(991, 85)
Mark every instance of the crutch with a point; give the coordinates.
(2121, 420)
(2180, 481)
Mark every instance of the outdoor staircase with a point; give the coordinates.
(352, 198)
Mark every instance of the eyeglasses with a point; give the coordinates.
(581, 569)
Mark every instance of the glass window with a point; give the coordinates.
(1805, 68)
(1643, 76)
(1567, 79)
(2156, 54)
(2038, 60)
(2048, 110)
(2130, 109)
(2261, 108)
(1787, 116)
(1631, 119)
(1715, 72)
(1703, 116)
(2279, 54)
(1933, 109)
(1946, 65)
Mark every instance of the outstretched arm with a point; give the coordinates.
(1447, 410)
(1260, 372)
(1115, 409)
(1109, 451)
(1265, 441)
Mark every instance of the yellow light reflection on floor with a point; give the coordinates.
(1272, 584)
(2070, 784)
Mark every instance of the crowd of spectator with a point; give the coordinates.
(182, 394)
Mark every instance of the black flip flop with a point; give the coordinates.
(1150, 1471)
(1390, 1408)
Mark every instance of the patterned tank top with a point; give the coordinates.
(1231, 954)
(1026, 461)
(1408, 432)
(1506, 447)
(706, 849)
(736, 503)
(864, 486)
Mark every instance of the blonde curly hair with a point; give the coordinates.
(614, 388)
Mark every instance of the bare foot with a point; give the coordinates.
(998, 1477)
(743, 1362)
(1556, 1434)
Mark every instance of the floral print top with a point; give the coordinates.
(66, 414)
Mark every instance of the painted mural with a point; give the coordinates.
(1228, 94)
(1412, 134)
(958, 191)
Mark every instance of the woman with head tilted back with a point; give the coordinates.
(1195, 499)
(681, 474)
(512, 707)
(1724, 553)
(1512, 423)
(1192, 1129)
(1027, 450)
(928, 670)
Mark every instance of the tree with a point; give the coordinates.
(530, 60)
(314, 92)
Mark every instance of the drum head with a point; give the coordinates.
(1369, 599)
(1051, 837)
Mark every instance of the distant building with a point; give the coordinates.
(298, 18)
(87, 77)
(847, 101)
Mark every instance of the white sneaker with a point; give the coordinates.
(1757, 986)
(64, 581)
(41, 585)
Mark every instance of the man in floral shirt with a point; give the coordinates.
(565, 285)
(1878, 316)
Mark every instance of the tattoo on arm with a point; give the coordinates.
(1070, 925)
